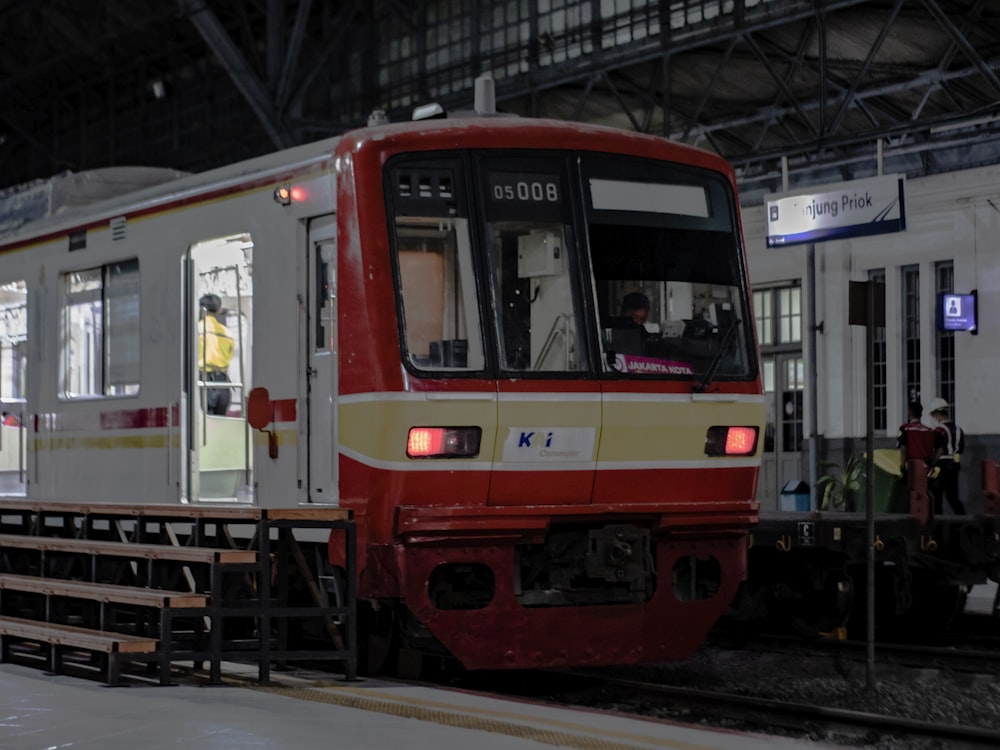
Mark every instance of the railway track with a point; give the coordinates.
(970, 656)
(785, 717)
(819, 696)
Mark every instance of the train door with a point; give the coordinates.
(218, 332)
(321, 337)
(784, 383)
(13, 382)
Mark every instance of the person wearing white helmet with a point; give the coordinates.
(949, 444)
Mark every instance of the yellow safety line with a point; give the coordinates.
(480, 719)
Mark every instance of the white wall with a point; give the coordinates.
(952, 217)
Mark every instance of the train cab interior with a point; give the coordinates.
(672, 305)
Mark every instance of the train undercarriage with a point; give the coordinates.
(605, 593)
(808, 574)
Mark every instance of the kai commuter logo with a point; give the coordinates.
(549, 444)
(849, 209)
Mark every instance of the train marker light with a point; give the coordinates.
(443, 442)
(731, 441)
(260, 414)
(283, 195)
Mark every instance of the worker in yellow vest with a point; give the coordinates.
(215, 352)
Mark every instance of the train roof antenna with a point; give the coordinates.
(485, 98)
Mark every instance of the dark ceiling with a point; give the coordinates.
(825, 86)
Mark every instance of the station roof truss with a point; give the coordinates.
(817, 90)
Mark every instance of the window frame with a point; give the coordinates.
(909, 333)
(447, 205)
(880, 364)
(944, 341)
(99, 361)
(769, 327)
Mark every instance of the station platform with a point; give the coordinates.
(39, 710)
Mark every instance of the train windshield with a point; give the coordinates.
(667, 272)
(585, 264)
(534, 259)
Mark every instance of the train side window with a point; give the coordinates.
(100, 336)
(13, 348)
(441, 327)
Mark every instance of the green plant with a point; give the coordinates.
(840, 489)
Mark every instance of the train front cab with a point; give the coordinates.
(547, 480)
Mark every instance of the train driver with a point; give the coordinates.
(215, 352)
(627, 331)
(635, 305)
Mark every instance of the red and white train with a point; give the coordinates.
(429, 331)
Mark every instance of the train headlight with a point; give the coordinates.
(443, 442)
(283, 195)
(731, 441)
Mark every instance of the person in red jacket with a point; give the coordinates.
(916, 440)
(950, 446)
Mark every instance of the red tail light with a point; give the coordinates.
(731, 441)
(443, 442)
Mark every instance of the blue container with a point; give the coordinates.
(794, 496)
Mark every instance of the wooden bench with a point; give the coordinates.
(197, 544)
(167, 602)
(102, 592)
(96, 549)
(216, 559)
(208, 555)
(58, 638)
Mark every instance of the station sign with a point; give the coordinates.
(958, 312)
(22, 205)
(846, 209)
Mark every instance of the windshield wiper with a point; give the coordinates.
(717, 359)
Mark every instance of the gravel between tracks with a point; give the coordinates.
(924, 695)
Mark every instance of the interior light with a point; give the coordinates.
(731, 441)
(443, 442)
(283, 195)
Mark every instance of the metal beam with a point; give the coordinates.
(710, 87)
(782, 85)
(284, 86)
(860, 95)
(869, 59)
(341, 24)
(228, 54)
(793, 67)
(974, 57)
